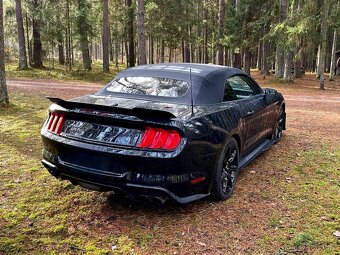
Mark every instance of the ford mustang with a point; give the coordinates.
(163, 131)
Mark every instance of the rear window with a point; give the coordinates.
(152, 86)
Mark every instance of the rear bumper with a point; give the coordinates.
(135, 173)
(106, 182)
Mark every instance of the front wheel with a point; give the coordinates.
(279, 126)
(226, 171)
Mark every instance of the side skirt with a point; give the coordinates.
(254, 153)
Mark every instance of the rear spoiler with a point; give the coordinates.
(142, 113)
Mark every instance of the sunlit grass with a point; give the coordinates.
(312, 199)
(59, 73)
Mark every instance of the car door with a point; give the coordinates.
(270, 110)
(251, 105)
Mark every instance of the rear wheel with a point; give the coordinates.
(226, 171)
(279, 126)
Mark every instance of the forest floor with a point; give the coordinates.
(56, 72)
(286, 201)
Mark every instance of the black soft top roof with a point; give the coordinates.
(207, 81)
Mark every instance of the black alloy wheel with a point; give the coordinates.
(279, 126)
(227, 171)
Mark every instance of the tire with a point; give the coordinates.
(226, 171)
(279, 126)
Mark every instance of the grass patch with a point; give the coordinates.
(303, 239)
(59, 73)
(312, 197)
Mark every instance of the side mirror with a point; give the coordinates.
(268, 91)
(270, 95)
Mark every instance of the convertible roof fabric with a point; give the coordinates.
(207, 81)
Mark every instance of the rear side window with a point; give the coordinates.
(152, 86)
(241, 87)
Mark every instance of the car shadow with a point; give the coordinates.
(118, 203)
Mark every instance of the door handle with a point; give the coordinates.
(250, 113)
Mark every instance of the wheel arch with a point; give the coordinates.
(238, 140)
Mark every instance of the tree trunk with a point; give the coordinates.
(186, 52)
(122, 50)
(205, 34)
(288, 60)
(151, 50)
(126, 47)
(259, 57)
(298, 50)
(170, 55)
(3, 87)
(265, 51)
(68, 38)
(21, 36)
(279, 54)
(157, 51)
(226, 56)
(162, 51)
(83, 33)
(183, 51)
(28, 40)
(37, 46)
(141, 33)
(237, 5)
(247, 60)
(288, 56)
(333, 64)
(221, 17)
(198, 50)
(318, 72)
(237, 60)
(323, 45)
(61, 53)
(106, 37)
(71, 44)
(131, 44)
(279, 62)
(112, 48)
(116, 53)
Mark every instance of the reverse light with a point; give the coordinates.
(55, 123)
(158, 138)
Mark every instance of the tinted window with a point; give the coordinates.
(240, 87)
(153, 86)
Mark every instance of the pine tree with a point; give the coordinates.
(3, 87)
(84, 30)
(221, 17)
(279, 54)
(21, 36)
(140, 32)
(37, 45)
(323, 44)
(106, 37)
(130, 34)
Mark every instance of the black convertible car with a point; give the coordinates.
(180, 131)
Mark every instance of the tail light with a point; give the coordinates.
(55, 123)
(157, 138)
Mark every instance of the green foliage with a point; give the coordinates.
(174, 22)
(303, 239)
